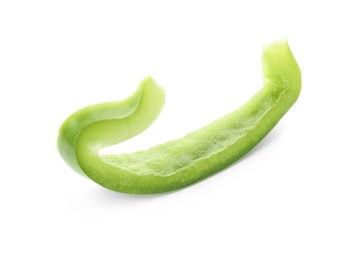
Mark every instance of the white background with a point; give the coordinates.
(298, 195)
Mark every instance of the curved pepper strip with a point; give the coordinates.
(184, 161)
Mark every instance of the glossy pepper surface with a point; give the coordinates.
(181, 162)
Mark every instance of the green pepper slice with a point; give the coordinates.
(181, 162)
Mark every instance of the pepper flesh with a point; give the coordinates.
(181, 162)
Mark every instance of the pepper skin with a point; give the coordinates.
(184, 161)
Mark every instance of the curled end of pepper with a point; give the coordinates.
(148, 100)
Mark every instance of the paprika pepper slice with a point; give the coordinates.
(181, 162)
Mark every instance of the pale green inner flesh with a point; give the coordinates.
(171, 157)
(188, 159)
